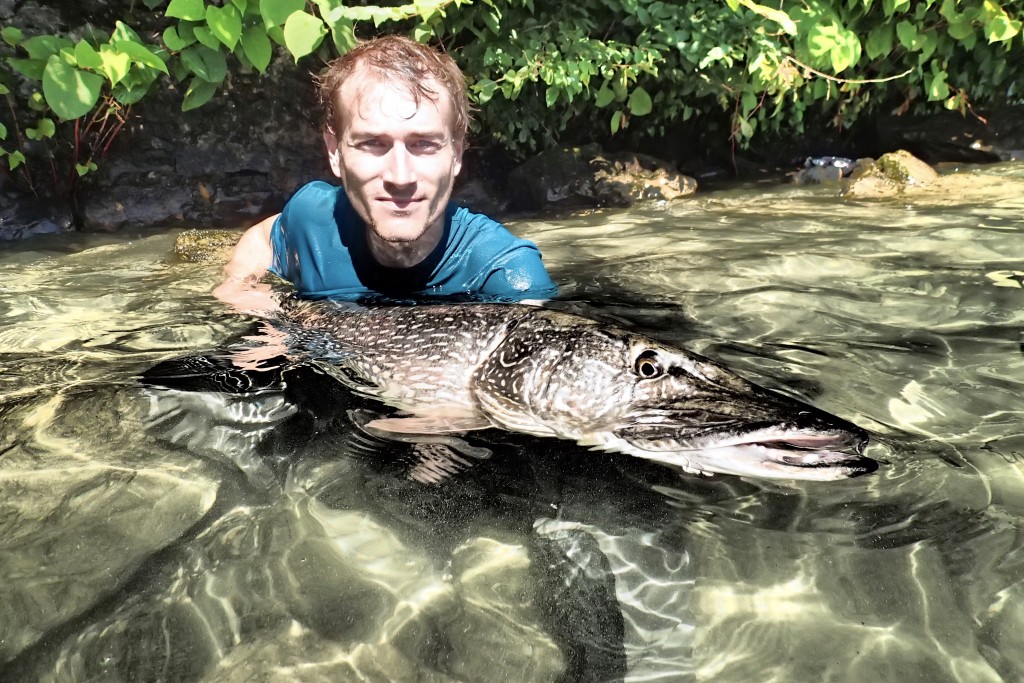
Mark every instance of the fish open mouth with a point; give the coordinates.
(819, 457)
(773, 453)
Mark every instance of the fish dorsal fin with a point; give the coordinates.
(434, 424)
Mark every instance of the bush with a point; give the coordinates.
(540, 74)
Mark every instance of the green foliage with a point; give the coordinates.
(540, 73)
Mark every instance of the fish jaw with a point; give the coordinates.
(771, 453)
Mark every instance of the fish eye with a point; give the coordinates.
(647, 365)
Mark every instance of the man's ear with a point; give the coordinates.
(333, 153)
(459, 146)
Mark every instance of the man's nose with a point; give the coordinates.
(400, 167)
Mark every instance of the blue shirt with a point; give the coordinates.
(320, 245)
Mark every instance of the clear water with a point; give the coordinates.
(160, 535)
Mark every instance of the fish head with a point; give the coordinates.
(688, 411)
(621, 391)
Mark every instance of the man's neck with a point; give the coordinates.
(404, 254)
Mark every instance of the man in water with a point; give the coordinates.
(396, 114)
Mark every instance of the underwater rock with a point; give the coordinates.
(298, 591)
(200, 246)
(501, 635)
(73, 534)
(77, 523)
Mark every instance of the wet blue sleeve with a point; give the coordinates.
(279, 246)
(304, 237)
(519, 274)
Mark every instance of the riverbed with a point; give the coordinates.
(207, 532)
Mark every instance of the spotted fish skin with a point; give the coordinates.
(458, 367)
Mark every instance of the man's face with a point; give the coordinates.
(396, 159)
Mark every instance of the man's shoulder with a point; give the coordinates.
(500, 263)
(312, 207)
(314, 193)
(476, 230)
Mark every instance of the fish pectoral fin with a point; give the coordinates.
(427, 425)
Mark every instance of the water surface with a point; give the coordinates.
(201, 534)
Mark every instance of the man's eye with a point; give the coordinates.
(371, 145)
(426, 146)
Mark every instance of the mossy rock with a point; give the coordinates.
(202, 246)
(892, 174)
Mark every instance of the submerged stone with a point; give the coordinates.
(80, 516)
(201, 246)
(74, 534)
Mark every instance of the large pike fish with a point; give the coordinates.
(461, 367)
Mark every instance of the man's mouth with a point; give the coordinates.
(400, 203)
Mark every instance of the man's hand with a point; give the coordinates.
(247, 295)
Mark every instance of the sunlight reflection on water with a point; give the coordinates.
(150, 534)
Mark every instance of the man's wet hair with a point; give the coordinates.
(404, 62)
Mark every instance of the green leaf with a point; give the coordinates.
(551, 95)
(140, 54)
(114, 64)
(256, 46)
(907, 33)
(4, 90)
(36, 101)
(276, 34)
(206, 37)
(936, 86)
(45, 128)
(879, 43)
(960, 28)
(123, 31)
(11, 35)
(605, 96)
(616, 121)
(199, 92)
(128, 93)
(3, 132)
(225, 23)
(42, 47)
(331, 11)
(343, 34)
(15, 159)
(748, 103)
(86, 56)
(640, 102)
(999, 26)
(209, 65)
(746, 128)
(70, 92)
(190, 10)
(174, 41)
(82, 169)
(485, 89)
(302, 34)
(422, 33)
(31, 69)
(276, 12)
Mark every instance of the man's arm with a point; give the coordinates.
(252, 257)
